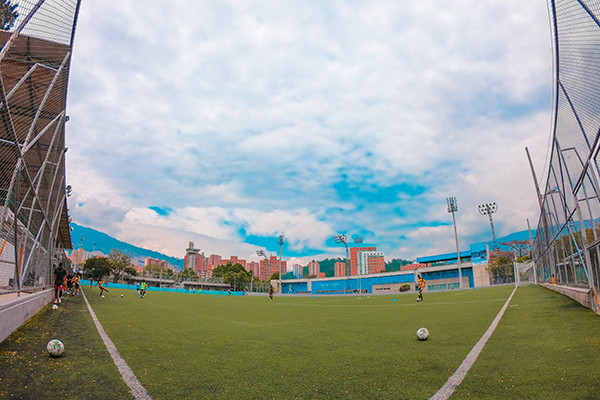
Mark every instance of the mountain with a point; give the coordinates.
(92, 240)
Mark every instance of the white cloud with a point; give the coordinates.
(243, 116)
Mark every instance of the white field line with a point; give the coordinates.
(442, 303)
(137, 390)
(452, 383)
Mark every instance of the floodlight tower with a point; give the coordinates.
(261, 253)
(358, 242)
(281, 241)
(452, 208)
(488, 209)
(342, 239)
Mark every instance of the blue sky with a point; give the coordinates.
(229, 123)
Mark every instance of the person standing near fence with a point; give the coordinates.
(59, 280)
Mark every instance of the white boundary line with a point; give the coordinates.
(137, 390)
(452, 383)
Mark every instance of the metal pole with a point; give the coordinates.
(358, 241)
(452, 208)
(281, 240)
(531, 253)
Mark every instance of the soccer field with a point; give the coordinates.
(230, 347)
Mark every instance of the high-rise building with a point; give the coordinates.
(340, 268)
(233, 260)
(202, 269)
(354, 257)
(191, 254)
(298, 270)
(270, 266)
(313, 268)
(253, 267)
(370, 262)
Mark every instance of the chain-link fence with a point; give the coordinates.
(37, 39)
(567, 246)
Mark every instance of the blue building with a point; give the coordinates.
(441, 273)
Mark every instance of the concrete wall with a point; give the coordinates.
(16, 310)
(578, 294)
(481, 275)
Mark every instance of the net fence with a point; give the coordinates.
(37, 38)
(567, 246)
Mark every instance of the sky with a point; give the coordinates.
(229, 123)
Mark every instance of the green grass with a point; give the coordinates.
(86, 370)
(229, 347)
(547, 346)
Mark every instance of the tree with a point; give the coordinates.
(8, 14)
(233, 274)
(501, 267)
(396, 264)
(156, 270)
(97, 267)
(187, 274)
(274, 276)
(131, 271)
(118, 262)
(518, 246)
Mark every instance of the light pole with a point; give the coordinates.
(281, 241)
(342, 239)
(452, 208)
(261, 253)
(358, 242)
(488, 209)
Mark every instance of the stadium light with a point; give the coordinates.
(261, 253)
(281, 241)
(488, 209)
(452, 208)
(358, 242)
(342, 239)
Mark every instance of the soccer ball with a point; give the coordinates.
(422, 333)
(54, 307)
(121, 295)
(55, 347)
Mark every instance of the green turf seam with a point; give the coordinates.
(137, 390)
(452, 383)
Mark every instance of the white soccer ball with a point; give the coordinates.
(54, 307)
(422, 333)
(121, 295)
(55, 347)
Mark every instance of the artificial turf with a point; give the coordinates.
(85, 371)
(231, 347)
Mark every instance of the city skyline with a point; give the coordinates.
(309, 120)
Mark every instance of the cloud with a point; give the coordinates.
(250, 119)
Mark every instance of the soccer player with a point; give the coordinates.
(143, 289)
(420, 286)
(76, 279)
(138, 286)
(271, 293)
(59, 281)
(102, 288)
(70, 283)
